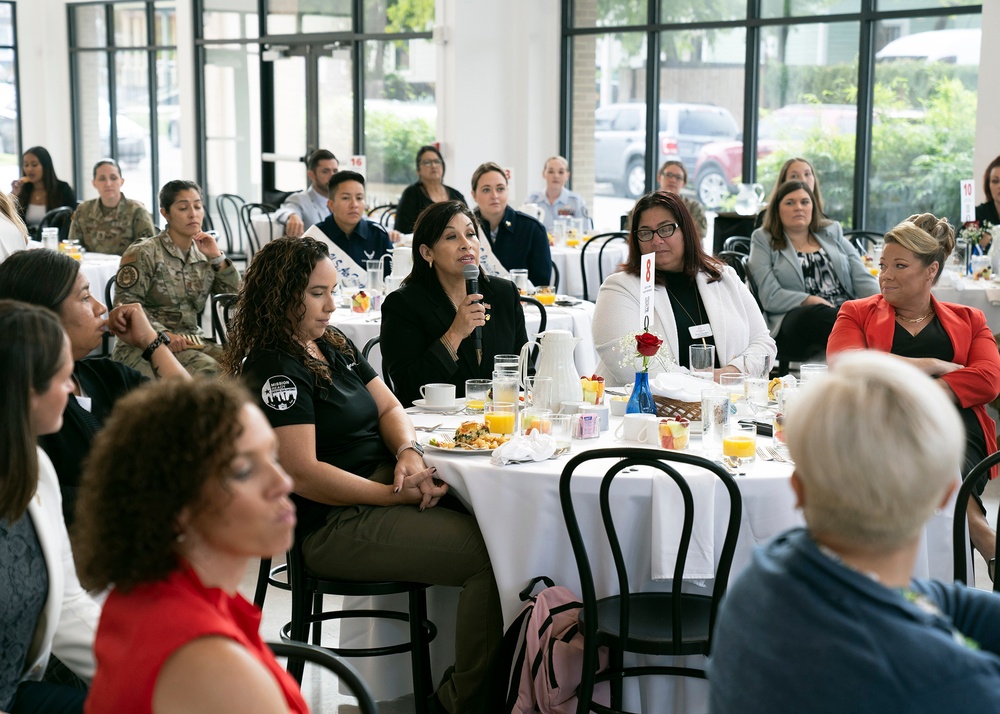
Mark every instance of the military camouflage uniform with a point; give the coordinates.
(173, 289)
(112, 231)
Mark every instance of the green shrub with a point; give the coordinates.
(391, 144)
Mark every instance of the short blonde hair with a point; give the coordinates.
(929, 238)
(561, 159)
(876, 444)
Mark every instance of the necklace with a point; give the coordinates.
(697, 300)
(916, 320)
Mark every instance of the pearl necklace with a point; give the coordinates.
(916, 320)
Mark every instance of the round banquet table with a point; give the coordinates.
(567, 262)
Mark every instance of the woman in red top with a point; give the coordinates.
(949, 342)
(173, 533)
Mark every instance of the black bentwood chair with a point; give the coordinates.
(345, 672)
(671, 623)
(740, 244)
(960, 547)
(602, 239)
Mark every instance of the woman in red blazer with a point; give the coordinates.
(950, 342)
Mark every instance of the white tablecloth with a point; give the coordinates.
(981, 294)
(361, 327)
(99, 269)
(567, 261)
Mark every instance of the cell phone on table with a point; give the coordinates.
(764, 428)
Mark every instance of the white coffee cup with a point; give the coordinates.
(438, 395)
(643, 428)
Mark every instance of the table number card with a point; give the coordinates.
(359, 164)
(968, 194)
(647, 289)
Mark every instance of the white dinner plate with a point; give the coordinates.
(422, 405)
(456, 451)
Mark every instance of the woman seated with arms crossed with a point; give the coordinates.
(949, 342)
(518, 240)
(698, 298)
(39, 190)
(172, 275)
(365, 498)
(44, 610)
(111, 223)
(427, 324)
(428, 189)
(804, 270)
(175, 635)
(829, 619)
(54, 281)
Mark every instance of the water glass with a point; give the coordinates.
(539, 392)
(562, 429)
(505, 387)
(506, 363)
(811, 371)
(739, 447)
(714, 419)
(755, 389)
(475, 394)
(756, 364)
(701, 361)
(734, 384)
(374, 277)
(348, 288)
(520, 278)
(500, 417)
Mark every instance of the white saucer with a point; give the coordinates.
(424, 406)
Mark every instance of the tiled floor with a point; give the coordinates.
(321, 689)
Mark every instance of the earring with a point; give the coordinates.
(430, 262)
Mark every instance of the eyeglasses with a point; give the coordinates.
(665, 231)
(431, 162)
(675, 177)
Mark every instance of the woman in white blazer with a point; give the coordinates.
(45, 609)
(804, 270)
(697, 297)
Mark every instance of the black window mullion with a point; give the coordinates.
(866, 98)
(109, 28)
(652, 97)
(751, 94)
(566, 85)
(154, 123)
(266, 101)
(358, 65)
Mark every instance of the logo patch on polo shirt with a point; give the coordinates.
(279, 393)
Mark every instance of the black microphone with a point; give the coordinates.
(471, 273)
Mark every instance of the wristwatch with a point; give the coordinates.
(161, 339)
(411, 444)
(218, 260)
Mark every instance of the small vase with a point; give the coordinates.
(641, 401)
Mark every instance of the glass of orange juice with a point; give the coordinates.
(475, 394)
(545, 294)
(499, 417)
(739, 447)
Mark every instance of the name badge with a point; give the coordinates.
(700, 331)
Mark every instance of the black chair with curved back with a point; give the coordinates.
(367, 350)
(108, 297)
(227, 208)
(222, 305)
(275, 197)
(308, 590)
(735, 260)
(543, 321)
(601, 239)
(740, 244)
(863, 241)
(60, 218)
(249, 211)
(960, 546)
(555, 277)
(297, 651)
(666, 623)
(383, 214)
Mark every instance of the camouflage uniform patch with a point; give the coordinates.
(127, 276)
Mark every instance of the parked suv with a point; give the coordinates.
(620, 139)
(720, 163)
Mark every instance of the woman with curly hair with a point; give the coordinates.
(175, 635)
(43, 609)
(365, 498)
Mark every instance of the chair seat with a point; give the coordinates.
(332, 586)
(651, 623)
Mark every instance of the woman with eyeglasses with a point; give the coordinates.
(428, 189)
(698, 298)
(673, 177)
(804, 270)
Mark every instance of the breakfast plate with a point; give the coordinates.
(422, 405)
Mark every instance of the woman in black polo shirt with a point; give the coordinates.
(360, 483)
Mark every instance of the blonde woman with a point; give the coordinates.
(13, 233)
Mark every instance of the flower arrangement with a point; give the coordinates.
(973, 232)
(643, 346)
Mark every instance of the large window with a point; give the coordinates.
(10, 122)
(125, 94)
(356, 77)
(881, 100)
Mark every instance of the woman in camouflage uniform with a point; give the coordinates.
(171, 275)
(111, 223)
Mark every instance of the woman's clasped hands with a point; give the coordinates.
(414, 481)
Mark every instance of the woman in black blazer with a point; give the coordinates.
(40, 187)
(427, 324)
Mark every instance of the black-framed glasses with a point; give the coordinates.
(675, 177)
(665, 231)
(430, 162)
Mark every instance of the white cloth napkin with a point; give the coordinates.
(677, 385)
(993, 295)
(668, 520)
(534, 447)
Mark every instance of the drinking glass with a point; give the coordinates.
(505, 387)
(562, 429)
(475, 394)
(500, 417)
(374, 277)
(701, 361)
(733, 383)
(545, 294)
(520, 278)
(506, 363)
(755, 389)
(540, 392)
(756, 364)
(714, 419)
(739, 447)
(811, 371)
(786, 395)
(348, 288)
(539, 420)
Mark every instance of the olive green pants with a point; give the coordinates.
(203, 362)
(439, 546)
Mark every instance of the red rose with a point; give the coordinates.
(647, 345)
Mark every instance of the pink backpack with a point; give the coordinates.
(548, 654)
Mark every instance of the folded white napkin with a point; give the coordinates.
(534, 447)
(668, 519)
(677, 385)
(993, 295)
